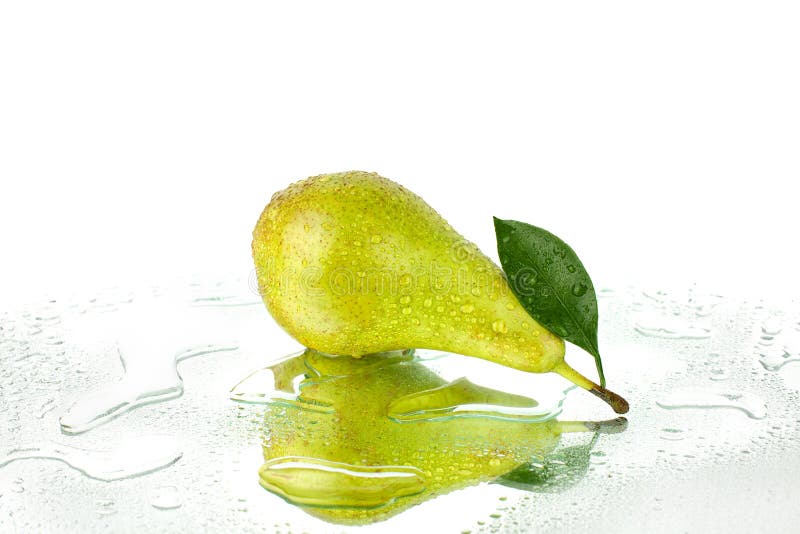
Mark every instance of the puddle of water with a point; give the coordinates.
(131, 458)
(748, 403)
(150, 376)
(394, 432)
(319, 482)
(774, 361)
(290, 380)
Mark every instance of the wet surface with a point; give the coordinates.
(164, 412)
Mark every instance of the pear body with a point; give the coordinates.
(353, 264)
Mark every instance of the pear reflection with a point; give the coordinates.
(355, 441)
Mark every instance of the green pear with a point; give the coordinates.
(353, 264)
(353, 463)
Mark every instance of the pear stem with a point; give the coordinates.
(617, 403)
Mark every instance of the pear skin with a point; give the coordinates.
(353, 263)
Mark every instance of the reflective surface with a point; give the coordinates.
(355, 441)
(174, 444)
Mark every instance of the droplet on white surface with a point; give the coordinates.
(748, 403)
(166, 498)
(671, 327)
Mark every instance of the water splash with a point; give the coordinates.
(149, 377)
(133, 457)
(318, 482)
(748, 403)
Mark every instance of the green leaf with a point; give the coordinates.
(551, 283)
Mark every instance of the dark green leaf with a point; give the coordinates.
(551, 283)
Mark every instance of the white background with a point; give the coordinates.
(139, 141)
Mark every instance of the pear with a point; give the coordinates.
(353, 263)
(353, 463)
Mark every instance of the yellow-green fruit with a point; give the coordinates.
(353, 263)
(337, 452)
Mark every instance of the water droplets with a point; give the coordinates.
(775, 360)
(579, 289)
(719, 374)
(375, 452)
(46, 407)
(674, 319)
(499, 326)
(719, 370)
(166, 498)
(17, 485)
(771, 327)
(671, 328)
(665, 440)
(672, 434)
(747, 403)
(777, 346)
(105, 507)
